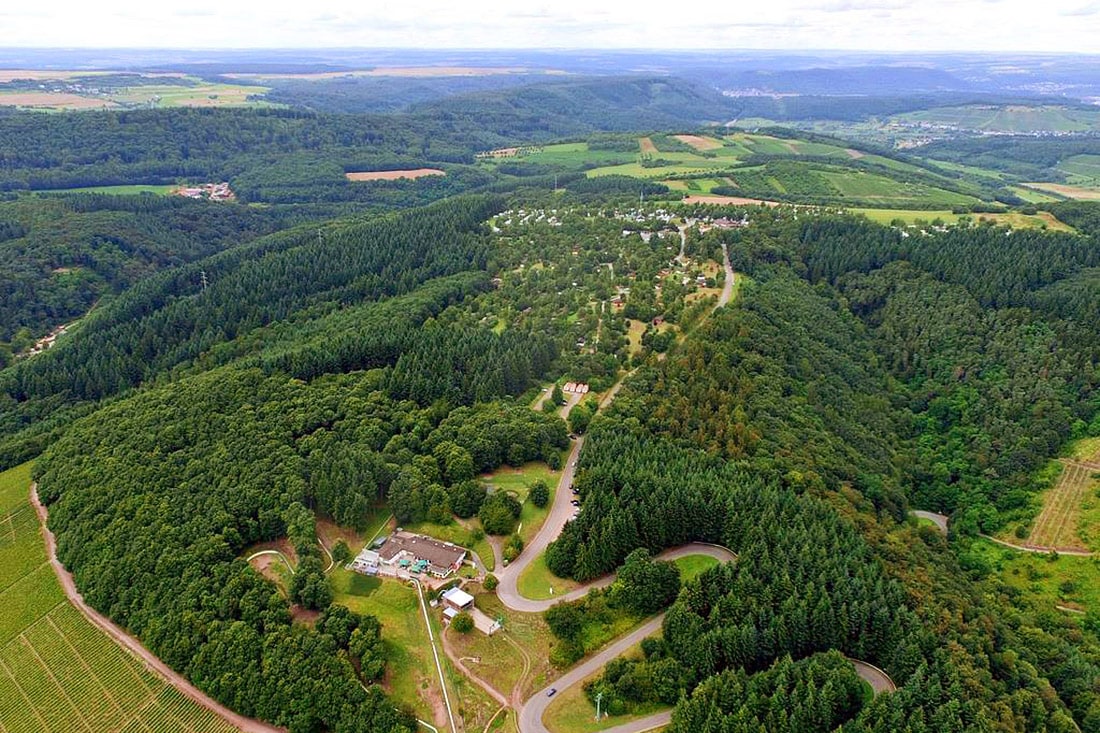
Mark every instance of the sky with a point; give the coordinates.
(875, 25)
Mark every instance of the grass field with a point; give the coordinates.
(538, 583)
(1083, 170)
(692, 566)
(118, 190)
(410, 670)
(58, 672)
(517, 655)
(1068, 580)
(1014, 219)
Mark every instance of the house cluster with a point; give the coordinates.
(407, 554)
(211, 191)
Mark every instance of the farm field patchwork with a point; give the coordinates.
(1006, 118)
(58, 672)
(76, 90)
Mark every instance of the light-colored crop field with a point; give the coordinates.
(646, 145)
(53, 101)
(412, 173)
(699, 142)
(58, 672)
(863, 185)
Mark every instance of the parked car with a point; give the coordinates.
(575, 503)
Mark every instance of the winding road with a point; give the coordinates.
(132, 645)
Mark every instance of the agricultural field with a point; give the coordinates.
(58, 672)
(70, 90)
(393, 175)
(1066, 191)
(1008, 118)
(123, 190)
(1060, 523)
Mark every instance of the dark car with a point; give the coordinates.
(553, 691)
(575, 503)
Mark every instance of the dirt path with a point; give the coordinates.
(132, 645)
(456, 660)
(727, 286)
(1039, 550)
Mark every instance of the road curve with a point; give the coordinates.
(516, 602)
(151, 661)
(530, 715)
(872, 675)
(560, 513)
(940, 520)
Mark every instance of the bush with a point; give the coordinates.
(463, 623)
(538, 493)
(491, 582)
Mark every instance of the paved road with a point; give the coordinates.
(879, 680)
(530, 716)
(516, 602)
(151, 661)
(560, 512)
(940, 520)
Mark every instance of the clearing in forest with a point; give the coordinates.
(646, 145)
(699, 142)
(394, 175)
(58, 672)
(1060, 524)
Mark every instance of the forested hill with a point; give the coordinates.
(580, 106)
(167, 321)
(829, 396)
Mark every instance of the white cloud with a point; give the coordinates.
(890, 25)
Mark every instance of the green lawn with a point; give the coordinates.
(131, 190)
(538, 583)
(517, 480)
(1084, 449)
(692, 566)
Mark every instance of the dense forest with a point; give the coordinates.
(60, 255)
